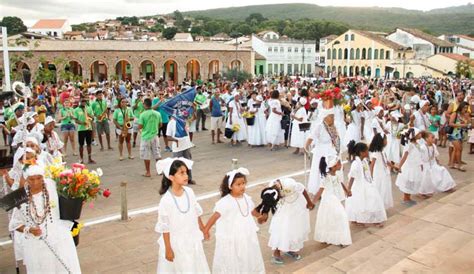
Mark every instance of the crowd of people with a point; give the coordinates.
(381, 127)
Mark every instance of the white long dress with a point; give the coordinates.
(274, 133)
(366, 204)
(353, 130)
(257, 131)
(393, 148)
(409, 179)
(37, 256)
(298, 138)
(382, 178)
(290, 226)
(332, 223)
(378, 125)
(179, 217)
(323, 146)
(435, 178)
(340, 123)
(237, 118)
(237, 247)
(369, 116)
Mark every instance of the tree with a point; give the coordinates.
(178, 16)
(169, 33)
(464, 69)
(237, 75)
(14, 25)
(157, 28)
(255, 19)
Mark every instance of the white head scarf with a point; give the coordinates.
(378, 109)
(48, 120)
(331, 161)
(326, 112)
(303, 101)
(259, 98)
(313, 101)
(423, 103)
(163, 166)
(34, 170)
(234, 172)
(357, 102)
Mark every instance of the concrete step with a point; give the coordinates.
(459, 262)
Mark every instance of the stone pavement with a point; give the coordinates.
(436, 235)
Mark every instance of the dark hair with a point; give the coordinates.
(426, 134)
(224, 188)
(275, 94)
(462, 105)
(166, 183)
(323, 166)
(377, 143)
(147, 102)
(409, 136)
(355, 149)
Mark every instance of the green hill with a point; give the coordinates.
(449, 20)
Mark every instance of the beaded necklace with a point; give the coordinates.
(176, 202)
(332, 131)
(365, 167)
(431, 156)
(240, 209)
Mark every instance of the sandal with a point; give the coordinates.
(293, 255)
(461, 168)
(277, 260)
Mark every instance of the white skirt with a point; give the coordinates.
(240, 135)
(274, 134)
(298, 137)
(332, 223)
(352, 134)
(365, 205)
(290, 225)
(383, 182)
(393, 149)
(256, 133)
(189, 256)
(409, 180)
(435, 179)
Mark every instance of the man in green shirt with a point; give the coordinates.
(200, 100)
(149, 122)
(156, 105)
(99, 107)
(137, 110)
(83, 116)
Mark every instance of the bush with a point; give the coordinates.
(237, 75)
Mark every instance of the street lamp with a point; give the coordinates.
(236, 35)
(332, 55)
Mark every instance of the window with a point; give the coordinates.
(296, 68)
(275, 49)
(282, 49)
(399, 55)
(376, 54)
(346, 54)
(308, 50)
(369, 54)
(339, 54)
(387, 55)
(352, 54)
(364, 54)
(328, 55)
(345, 70)
(334, 54)
(357, 54)
(274, 36)
(269, 49)
(308, 68)
(382, 54)
(296, 50)
(282, 69)
(270, 69)
(289, 69)
(352, 37)
(289, 49)
(346, 37)
(275, 68)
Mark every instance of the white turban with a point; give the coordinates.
(32, 139)
(48, 120)
(313, 101)
(326, 112)
(303, 101)
(396, 114)
(415, 99)
(331, 161)
(235, 93)
(234, 172)
(377, 110)
(34, 170)
(259, 98)
(163, 166)
(423, 103)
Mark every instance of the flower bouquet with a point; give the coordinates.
(75, 185)
(330, 96)
(250, 117)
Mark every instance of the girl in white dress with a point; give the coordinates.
(274, 133)
(380, 168)
(179, 221)
(257, 131)
(435, 178)
(237, 248)
(332, 223)
(356, 127)
(365, 204)
(395, 128)
(313, 113)
(290, 225)
(409, 178)
(378, 123)
(298, 137)
(191, 123)
(235, 118)
(369, 116)
(47, 244)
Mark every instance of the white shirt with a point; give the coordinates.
(183, 142)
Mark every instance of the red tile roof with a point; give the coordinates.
(454, 56)
(49, 24)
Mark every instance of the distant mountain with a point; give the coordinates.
(447, 20)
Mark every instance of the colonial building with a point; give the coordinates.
(464, 44)
(422, 43)
(363, 53)
(284, 56)
(321, 52)
(51, 27)
(183, 37)
(108, 59)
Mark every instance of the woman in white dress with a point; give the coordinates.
(313, 113)
(274, 133)
(378, 123)
(235, 118)
(290, 225)
(237, 247)
(393, 138)
(53, 144)
(365, 204)
(326, 142)
(179, 221)
(332, 224)
(369, 116)
(356, 127)
(435, 178)
(409, 178)
(380, 168)
(298, 137)
(47, 243)
(257, 131)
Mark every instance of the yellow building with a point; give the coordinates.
(363, 53)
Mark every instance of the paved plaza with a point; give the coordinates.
(436, 235)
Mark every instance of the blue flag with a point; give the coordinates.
(181, 107)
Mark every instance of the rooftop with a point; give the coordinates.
(379, 39)
(49, 24)
(454, 56)
(428, 37)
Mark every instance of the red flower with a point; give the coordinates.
(106, 193)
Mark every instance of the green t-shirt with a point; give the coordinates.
(200, 99)
(119, 115)
(434, 120)
(65, 114)
(7, 113)
(99, 107)
(80, 115)
(164, 116)
(138, 110)
(150, 121)
(199, 82)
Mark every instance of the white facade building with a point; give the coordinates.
(285, 56)
(51, 27)
(464, 44)
(183, 37)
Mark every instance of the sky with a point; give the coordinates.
(93, 10)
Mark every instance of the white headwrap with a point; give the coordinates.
(407, 107)
(34, 170)
(163, 166)
(313, 101)
(259, 98)
(396, 114)
(232, 173)
(378, 109)
(415, 99)
(48, 120)
(326, 112)
(32, 139)
(235, 93)
(303, 101)
(423, 103)
(331, 161)
(357, 102)
(416, 131)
